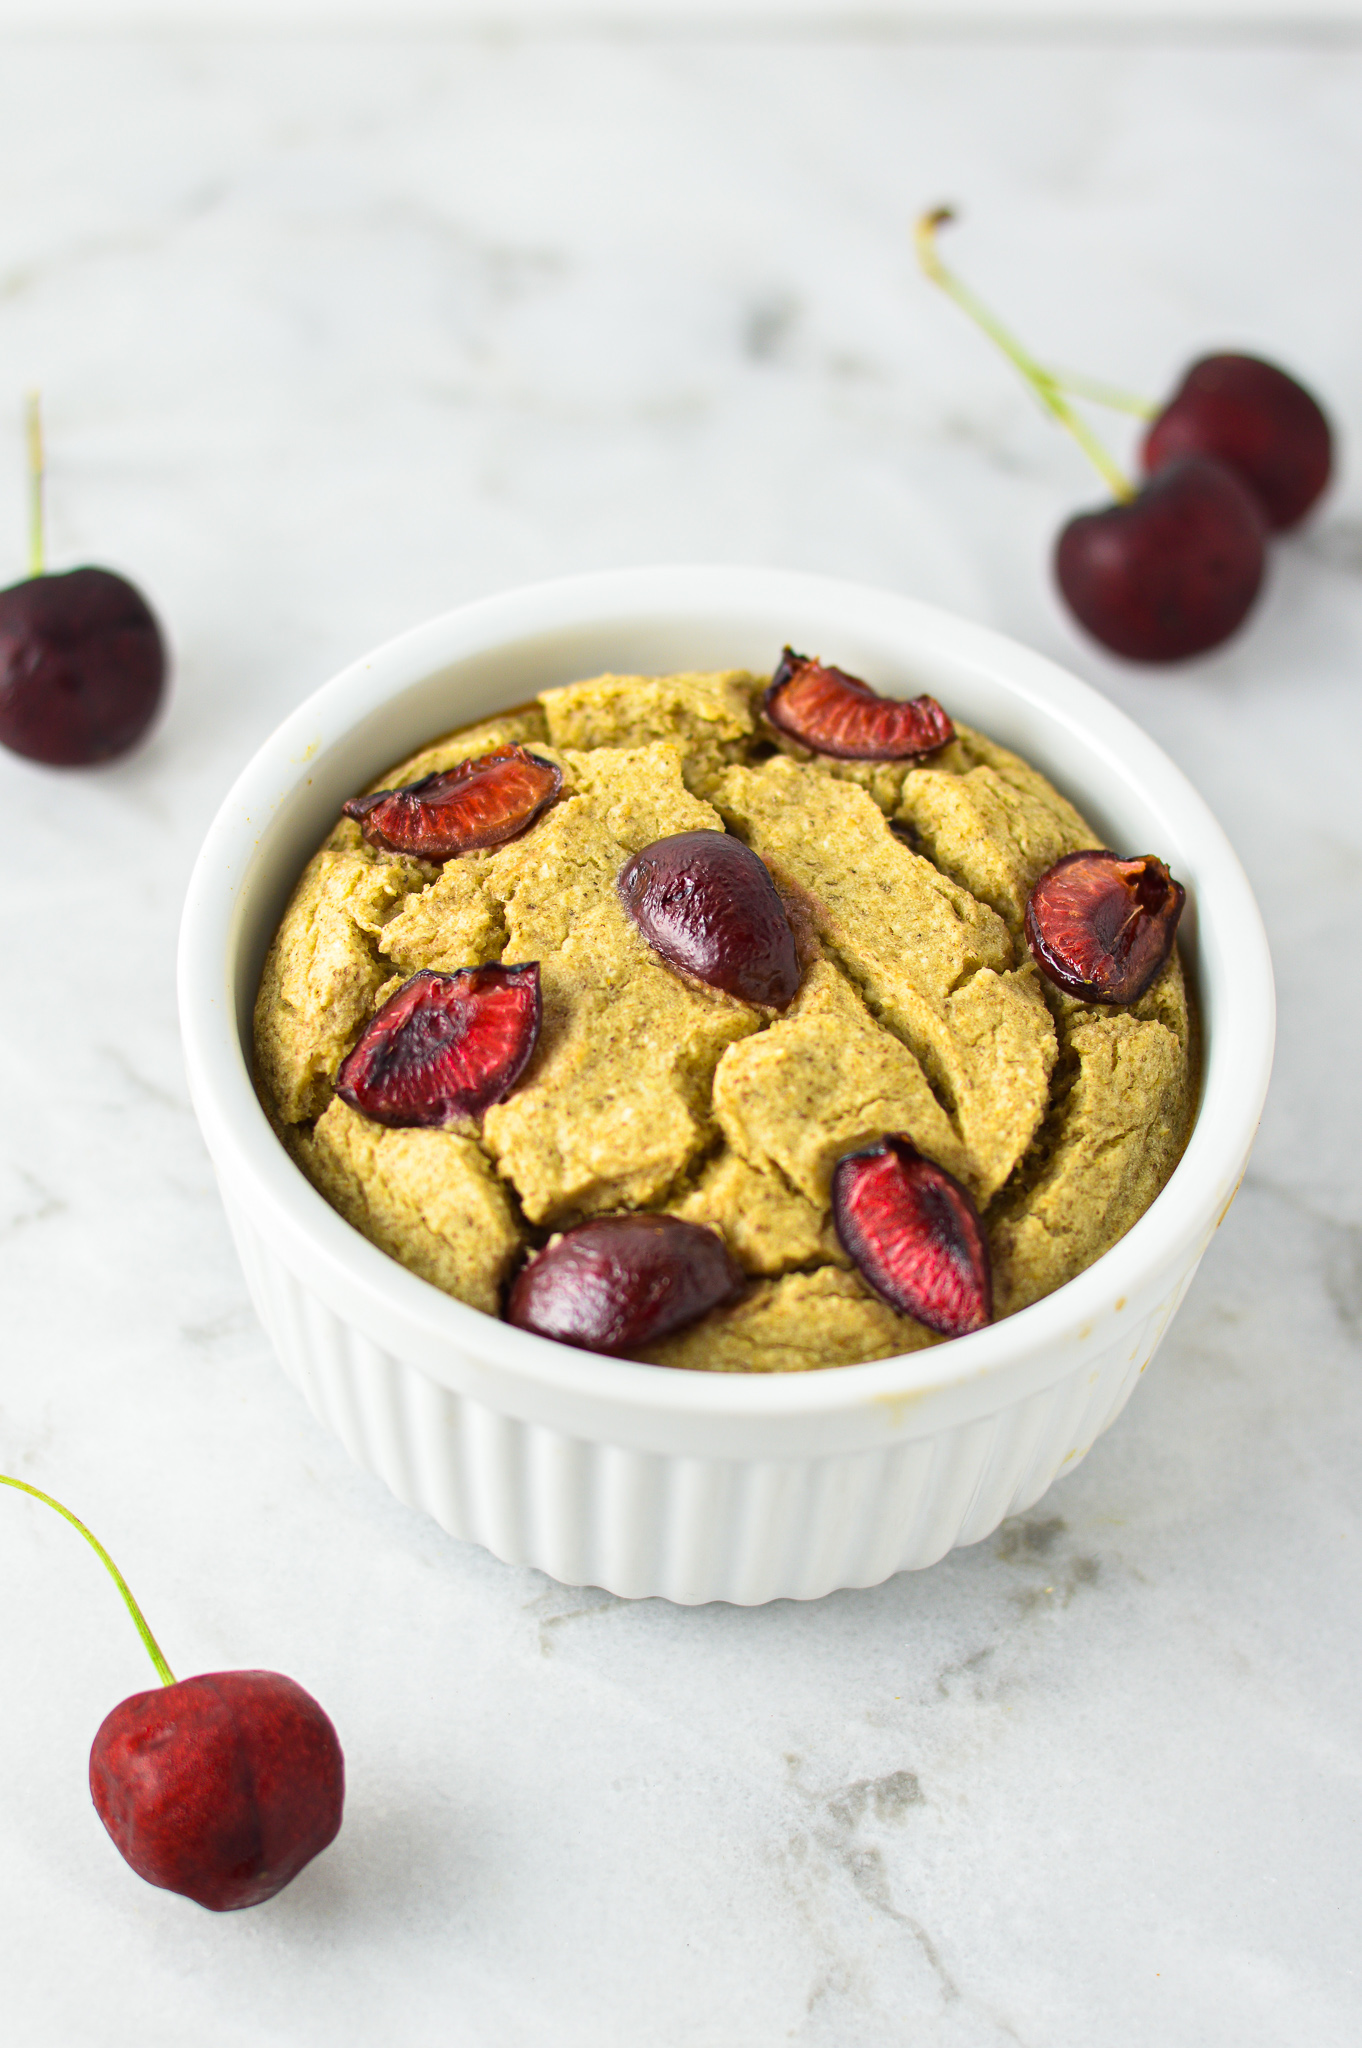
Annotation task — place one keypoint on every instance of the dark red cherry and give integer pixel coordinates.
(1102, 927)
(446, 1046)
(482, 802)
(915, 1235)
(707, 904)
(1253, 417)
(82, 667)
(220, 1787)
(834, 713)
(623, 1281)
(1170, 574)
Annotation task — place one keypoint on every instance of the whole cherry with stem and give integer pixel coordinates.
(219, 1787)
(82, 659)
(1163, 572)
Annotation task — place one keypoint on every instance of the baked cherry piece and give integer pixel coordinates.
(833, 713)
(82, 667)
(1260, 422)
(706, 903)
(480, 803)
(1173, 572)
(445, 1047)
(622, 1281)
(1101, 927)
(915, 1235)
(220, 1787)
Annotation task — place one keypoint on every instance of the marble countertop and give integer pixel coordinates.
(333, 334)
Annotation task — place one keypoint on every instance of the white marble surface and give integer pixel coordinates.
(333, 335)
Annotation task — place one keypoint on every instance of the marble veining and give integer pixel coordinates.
(332, 334)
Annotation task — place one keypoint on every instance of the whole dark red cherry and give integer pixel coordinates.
(82, 667)
(220, 1787)
(1253, 417)
(1171, 573)
(621, 1281)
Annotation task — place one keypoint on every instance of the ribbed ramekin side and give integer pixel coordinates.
(687, 1528)
(626, 1534)
(1025, 1446)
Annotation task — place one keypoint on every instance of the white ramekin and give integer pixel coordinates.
(702, 1486)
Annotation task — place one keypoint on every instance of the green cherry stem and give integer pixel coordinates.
(163, 1670)
(1043, 382)
(1109, 395)
(33, 425)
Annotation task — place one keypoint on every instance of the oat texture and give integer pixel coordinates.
(920, 1011)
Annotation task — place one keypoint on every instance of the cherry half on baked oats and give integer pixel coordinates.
(445, 1047)
(479, 803)
(831, 712)
(1102, 928)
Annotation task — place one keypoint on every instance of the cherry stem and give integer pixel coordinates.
(1099, 393)
(1043, 382)
(33, 422)
(163, 1670)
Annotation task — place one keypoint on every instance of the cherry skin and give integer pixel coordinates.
(82, 667)
(1173, 572)
(706, 904)
(1253, 417)
(221, 1787)
(619, 1282)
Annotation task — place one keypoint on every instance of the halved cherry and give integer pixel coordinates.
(834, 713)
(622, 1281)
(446, 1046)
(1102, 927)
(915, 1235)
(482, 802)
(707, 904)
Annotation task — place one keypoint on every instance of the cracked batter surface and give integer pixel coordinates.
(919, 1011)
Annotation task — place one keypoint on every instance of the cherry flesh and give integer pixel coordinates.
(622, 1281)
(915, 1235)
(833, 713)
(82, 667)
(445, 1047)
(1173, 572)
(221, 1787)
(1102, 928)
(1251, 416)
(706, 903)
(480, 803)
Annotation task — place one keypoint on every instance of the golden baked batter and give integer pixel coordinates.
(920, 1011)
